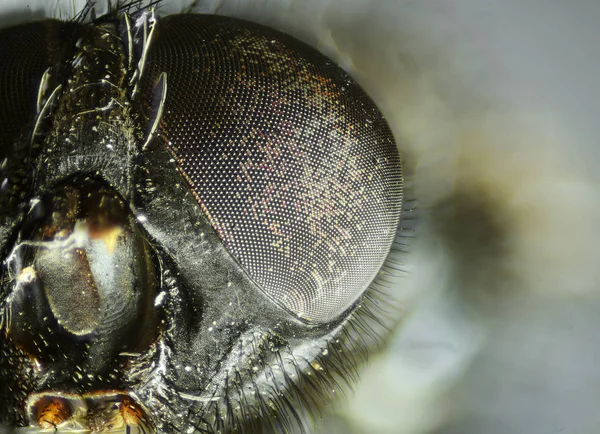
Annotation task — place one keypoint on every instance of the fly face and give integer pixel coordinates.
(192, 211)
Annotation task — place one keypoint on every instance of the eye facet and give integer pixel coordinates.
(291, 162)
(192, 210)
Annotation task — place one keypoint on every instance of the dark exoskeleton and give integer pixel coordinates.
(193, 210)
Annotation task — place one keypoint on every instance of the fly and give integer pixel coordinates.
(215, 201)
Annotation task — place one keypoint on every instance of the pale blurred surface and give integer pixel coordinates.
(496, 104)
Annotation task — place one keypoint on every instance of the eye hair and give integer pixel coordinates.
(298, 389)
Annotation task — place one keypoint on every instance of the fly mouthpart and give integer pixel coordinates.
(96, 412)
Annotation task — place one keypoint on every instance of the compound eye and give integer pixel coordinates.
(292, 164)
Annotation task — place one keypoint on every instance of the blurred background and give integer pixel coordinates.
(496, 108)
